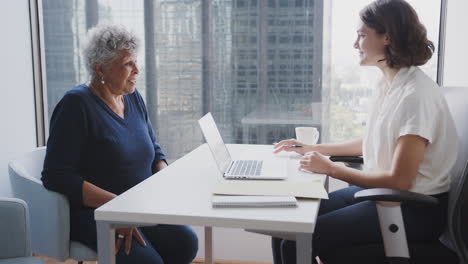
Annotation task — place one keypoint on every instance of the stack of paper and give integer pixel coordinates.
(303, 188)
(253, 201)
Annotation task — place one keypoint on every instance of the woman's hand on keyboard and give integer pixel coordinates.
(292, 145)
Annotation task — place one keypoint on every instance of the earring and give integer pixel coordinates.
(102, 80)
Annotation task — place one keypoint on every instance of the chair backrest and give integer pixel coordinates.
(30, 164)
(14, 229)
(50, 211)
(458, 198)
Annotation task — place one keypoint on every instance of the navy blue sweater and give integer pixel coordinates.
(88, 141)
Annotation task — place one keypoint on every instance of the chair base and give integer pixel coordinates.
(25, 260)
(434, 253)
(81, 252)
(398, 260)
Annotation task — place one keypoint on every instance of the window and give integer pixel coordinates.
(266, 60)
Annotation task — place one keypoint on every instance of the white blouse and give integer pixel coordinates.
(412, 105)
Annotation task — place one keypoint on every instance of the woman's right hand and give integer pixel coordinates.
(127, 234)
(292, 145)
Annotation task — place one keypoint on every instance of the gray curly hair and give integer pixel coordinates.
(103, 44)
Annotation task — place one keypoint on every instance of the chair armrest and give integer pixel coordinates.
(349, 159)
(390, 195)
(49, 211)
(14, 229)
(391, 221)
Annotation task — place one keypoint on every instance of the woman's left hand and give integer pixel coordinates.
(128, 234)
(315, 162)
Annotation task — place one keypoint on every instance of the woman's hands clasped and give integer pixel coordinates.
(127, 234)
(315, 162)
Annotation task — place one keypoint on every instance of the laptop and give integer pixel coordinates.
(239, 169)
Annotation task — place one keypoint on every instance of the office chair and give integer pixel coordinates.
(453, 245)
(49, 211)
(15, 243)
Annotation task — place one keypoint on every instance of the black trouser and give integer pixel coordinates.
(344, 223)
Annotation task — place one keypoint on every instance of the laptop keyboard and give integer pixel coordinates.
(247, 167)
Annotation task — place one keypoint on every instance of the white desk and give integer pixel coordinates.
(181, 194)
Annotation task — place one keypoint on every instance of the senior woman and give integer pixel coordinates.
(102, 143)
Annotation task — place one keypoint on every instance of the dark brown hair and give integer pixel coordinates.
(409, 45)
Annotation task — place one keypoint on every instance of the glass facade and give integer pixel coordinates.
(60, 49)
(276, 68)
(262, 67)
(238, 59)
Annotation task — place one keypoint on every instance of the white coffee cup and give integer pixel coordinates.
(307, 135)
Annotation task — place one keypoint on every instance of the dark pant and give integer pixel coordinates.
(343, 223)
(170, 244)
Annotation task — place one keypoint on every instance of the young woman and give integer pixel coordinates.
(410, 142)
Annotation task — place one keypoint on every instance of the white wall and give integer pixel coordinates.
(456, 46)
(18, 130)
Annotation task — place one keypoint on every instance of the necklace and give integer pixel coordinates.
(116, 105)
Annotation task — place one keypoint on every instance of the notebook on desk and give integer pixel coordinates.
(239, 169)
(253, 201)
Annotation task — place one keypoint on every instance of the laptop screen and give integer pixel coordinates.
(215, 142)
